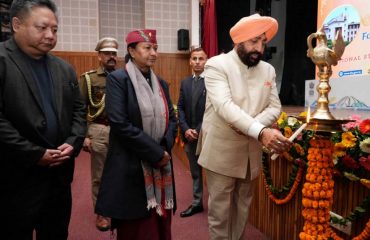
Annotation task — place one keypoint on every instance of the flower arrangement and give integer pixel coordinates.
(351, 157)
(287, 125)
(350, 161)
(351, 154)
(352, 150)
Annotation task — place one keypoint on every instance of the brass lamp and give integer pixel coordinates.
(323, 57)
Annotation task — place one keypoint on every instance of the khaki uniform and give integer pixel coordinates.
(98, 128)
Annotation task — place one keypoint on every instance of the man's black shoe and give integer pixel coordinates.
(191, 211)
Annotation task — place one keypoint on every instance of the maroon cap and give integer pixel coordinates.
(144, 35)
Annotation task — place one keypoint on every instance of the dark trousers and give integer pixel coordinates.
(196, 173)
(39, 204)
(154, 227)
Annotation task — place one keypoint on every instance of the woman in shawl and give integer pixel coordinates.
(137, 189)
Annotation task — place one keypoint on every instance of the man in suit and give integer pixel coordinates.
(190, 108)
(42, 126)
(92, 86)
(242, 101)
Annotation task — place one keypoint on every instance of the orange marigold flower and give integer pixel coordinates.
(320, 179)
(327, 151)
(322, 194)
(288, 132)
(365, 126)
(325, 186)
(348, 139)
(316, 194)
(314, 143)
(299, 149)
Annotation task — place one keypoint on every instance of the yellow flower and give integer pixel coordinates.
(339, 150)
(348, 139)
(288, 132)
(282, 118)
(303, 114)
(365, 145)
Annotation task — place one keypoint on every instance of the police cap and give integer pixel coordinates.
(107, 44)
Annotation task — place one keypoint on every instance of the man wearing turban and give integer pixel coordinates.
(242, 101)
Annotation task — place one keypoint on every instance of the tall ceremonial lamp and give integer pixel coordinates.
(318, 190)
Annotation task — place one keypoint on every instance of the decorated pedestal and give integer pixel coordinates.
(318, 190)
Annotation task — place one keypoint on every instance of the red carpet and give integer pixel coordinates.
(192, 228)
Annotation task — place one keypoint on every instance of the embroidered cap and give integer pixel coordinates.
(144, 35)
(107, 44)
(253, 26)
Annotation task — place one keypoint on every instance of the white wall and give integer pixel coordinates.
(83, 22)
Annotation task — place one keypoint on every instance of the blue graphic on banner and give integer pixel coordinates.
(349, 73)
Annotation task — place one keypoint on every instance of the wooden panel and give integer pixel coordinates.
(173, 68)
(169, 66)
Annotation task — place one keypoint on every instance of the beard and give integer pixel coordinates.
(246, 57)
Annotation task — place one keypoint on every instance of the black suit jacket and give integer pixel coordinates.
(184, 106)
(122, 191)
(22, 119)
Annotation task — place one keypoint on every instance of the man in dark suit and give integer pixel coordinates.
(190, 107)
(42, 126)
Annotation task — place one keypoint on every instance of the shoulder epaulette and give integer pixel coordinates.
(89, 72)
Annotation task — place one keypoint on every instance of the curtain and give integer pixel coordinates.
(209, 38)
(297, 66)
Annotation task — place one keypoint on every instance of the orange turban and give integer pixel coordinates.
(253, 26)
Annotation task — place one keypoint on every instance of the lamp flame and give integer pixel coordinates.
(308, 114)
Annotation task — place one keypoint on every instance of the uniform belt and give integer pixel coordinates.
(103, 121)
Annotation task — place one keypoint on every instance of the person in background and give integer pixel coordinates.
(92, 86)
(42, 126)
(137, 188)
(242, 101)
(190, 108)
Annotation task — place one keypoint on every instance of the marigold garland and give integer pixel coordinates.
(291, 187)
(365, 234)
(318, 190)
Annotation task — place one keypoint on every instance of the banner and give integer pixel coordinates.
(350, 81)
(353, 19)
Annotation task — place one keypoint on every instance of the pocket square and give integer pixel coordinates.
(268, 84)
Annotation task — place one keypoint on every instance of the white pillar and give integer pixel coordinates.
(195, 23)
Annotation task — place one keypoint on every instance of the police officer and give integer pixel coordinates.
(92, 86)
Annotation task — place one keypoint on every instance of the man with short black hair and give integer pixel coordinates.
(42, 126)
(190, 108)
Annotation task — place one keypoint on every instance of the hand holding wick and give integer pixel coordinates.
(274, 140)
(295, 134)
